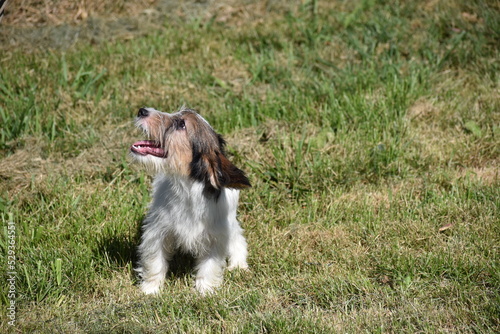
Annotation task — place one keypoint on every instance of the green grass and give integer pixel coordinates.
(369, 130)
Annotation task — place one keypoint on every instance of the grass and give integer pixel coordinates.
(369, 130)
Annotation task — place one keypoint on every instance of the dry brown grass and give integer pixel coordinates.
(336, 242)
(34, 13)
(32, 166)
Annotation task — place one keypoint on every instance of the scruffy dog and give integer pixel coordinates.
(195, 196)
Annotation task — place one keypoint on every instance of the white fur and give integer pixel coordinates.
(181, 217)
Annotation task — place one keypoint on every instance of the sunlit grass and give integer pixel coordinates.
(368, 130)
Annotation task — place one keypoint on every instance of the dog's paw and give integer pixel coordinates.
(205, 287)
(151, 287)
(237, 264)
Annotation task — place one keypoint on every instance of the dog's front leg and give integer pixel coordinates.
(210, 270)
(154, 254)
(237, 248)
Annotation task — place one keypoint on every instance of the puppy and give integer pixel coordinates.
(195, 196)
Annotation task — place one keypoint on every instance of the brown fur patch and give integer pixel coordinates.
(192, 148)
(179, 153)
(235, 178)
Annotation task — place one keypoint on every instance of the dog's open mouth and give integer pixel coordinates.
(148, 147)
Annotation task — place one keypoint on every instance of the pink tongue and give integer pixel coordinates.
(145, 147)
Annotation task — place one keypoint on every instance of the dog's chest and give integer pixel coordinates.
(184, 212)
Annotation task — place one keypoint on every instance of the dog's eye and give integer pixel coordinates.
(181, 125)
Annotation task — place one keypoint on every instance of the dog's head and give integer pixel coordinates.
(184, 144)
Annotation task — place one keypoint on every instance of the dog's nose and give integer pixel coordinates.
(143, 112)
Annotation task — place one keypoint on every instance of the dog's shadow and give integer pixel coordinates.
(120, 251)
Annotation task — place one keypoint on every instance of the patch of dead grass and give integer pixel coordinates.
(32, 164)
(35, 13)
(489, 175)
(232, 72)
(422, 109)
(118, 290)
(437, 125)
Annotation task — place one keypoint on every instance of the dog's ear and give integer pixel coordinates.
(216, 171)
(210, 166)
(231, 176)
